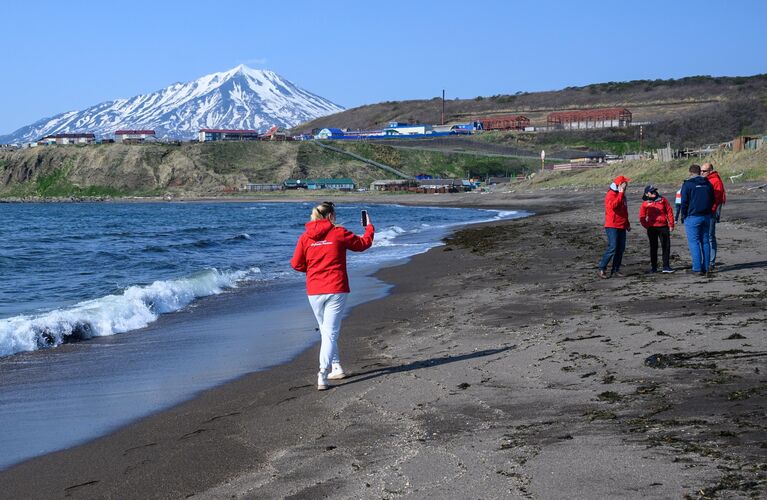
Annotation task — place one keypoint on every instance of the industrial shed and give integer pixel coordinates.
(590, 118)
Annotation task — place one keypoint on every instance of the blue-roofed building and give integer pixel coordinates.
(330, 133)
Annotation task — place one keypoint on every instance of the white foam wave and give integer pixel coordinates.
(135, 308)
(385, 237)
(506, 214)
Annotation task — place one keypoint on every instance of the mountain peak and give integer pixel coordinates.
(218, 100)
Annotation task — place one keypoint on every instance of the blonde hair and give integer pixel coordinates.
(324, 210)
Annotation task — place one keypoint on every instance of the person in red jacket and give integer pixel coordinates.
(657, 216)
(616, 225)
(720, 197)
(321, 254)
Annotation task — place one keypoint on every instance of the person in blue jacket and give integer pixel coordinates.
(697, 200)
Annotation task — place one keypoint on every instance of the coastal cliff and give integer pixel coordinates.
(152, 169)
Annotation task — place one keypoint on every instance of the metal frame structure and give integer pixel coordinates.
(505, 122)
(590, 118)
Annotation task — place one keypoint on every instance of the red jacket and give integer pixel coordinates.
(321, 254)
(656, 213)
(720, 198)
(616, 210)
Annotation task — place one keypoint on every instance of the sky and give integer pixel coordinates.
(64, 56)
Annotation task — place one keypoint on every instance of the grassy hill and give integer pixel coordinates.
(686, 111)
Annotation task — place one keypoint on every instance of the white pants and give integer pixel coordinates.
(328, 309)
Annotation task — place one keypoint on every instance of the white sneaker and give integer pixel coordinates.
(337, 372)
(322, 381)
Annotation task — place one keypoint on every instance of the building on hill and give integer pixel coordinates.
(396, 128)
(441, 186)
(293, 184)
(67, 139)
(219, 134)
(504, 122)
(133, 136)
(363, 134)
(330, 133)
(747, 142)
(495, 181)
(275, 134)
(458, 128)
(339, 184)
(589, 118)
(394, 185)
(252, 186)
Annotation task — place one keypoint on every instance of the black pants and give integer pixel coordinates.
(653, 233)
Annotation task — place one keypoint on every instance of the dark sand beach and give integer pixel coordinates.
(499, 367)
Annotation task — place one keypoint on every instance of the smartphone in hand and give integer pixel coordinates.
(364, 218)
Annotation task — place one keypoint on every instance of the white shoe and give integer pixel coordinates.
(322, 381)
(337, 372)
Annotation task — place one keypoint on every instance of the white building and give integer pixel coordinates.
(133, 136)
(68, 139)
(396, 128)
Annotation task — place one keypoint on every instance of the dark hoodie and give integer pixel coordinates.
(697, 197)
(321, 254)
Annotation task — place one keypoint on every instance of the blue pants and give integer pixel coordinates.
(712, 235)
(616, 245)
(697, 229)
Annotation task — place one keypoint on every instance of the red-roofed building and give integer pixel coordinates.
(590, 118)
(276, 134)
(220, 134)
(133, 136)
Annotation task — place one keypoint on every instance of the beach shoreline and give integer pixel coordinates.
(486, 372)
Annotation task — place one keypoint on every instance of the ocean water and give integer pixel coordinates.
(110, 312)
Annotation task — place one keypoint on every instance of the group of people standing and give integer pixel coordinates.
(699, 205)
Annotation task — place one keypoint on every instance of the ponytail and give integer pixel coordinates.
(323, 211)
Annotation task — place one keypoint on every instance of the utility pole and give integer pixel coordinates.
(443, 106)
(641, 133)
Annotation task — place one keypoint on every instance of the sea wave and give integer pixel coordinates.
(386, 237)
(135, 308)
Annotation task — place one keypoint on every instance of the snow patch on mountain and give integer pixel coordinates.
(241, 98)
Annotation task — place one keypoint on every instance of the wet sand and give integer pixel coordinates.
(500, 366)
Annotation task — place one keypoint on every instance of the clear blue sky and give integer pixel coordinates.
(61, 56)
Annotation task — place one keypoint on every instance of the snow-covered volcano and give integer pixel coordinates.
(241, 98)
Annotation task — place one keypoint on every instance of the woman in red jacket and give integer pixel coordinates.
(657, 216)
(616, 225)
(321, 254)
